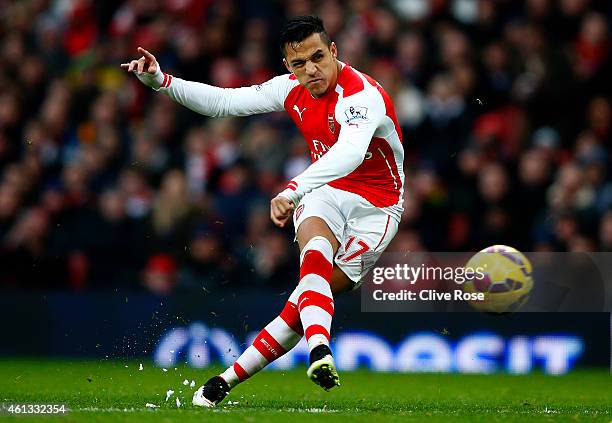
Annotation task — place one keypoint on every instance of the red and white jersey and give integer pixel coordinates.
(352, 131)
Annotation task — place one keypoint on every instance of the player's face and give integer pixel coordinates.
(313, 63)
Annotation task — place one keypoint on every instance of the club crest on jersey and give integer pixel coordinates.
(331, 123)
(356, 114)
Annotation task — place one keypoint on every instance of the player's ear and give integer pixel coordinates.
(287, 65)
(334, 50)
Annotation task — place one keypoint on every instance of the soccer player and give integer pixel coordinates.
(346, 205)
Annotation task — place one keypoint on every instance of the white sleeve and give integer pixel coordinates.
(218, 102)
(359, 115)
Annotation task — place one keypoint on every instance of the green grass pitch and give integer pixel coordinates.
(117, 391)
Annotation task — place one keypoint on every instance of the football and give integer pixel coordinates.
(505, 279)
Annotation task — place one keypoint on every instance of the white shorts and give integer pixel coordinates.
(363, 230)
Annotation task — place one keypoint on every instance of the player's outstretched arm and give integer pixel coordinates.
(146, 69)
(207, 99)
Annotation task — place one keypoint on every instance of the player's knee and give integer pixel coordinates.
(314, 227)
(340, 282)
(317, 257)
(319, 243)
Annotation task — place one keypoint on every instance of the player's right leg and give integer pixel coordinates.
(309, 308)
(279, 336)
(283, 333)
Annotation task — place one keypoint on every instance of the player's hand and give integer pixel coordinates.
(147, 63)
(280, 210)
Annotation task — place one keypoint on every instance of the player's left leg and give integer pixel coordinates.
(318, 246)
(367, 233)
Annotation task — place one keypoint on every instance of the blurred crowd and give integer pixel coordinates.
(504, 105)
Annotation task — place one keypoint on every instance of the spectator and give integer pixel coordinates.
(160, 274)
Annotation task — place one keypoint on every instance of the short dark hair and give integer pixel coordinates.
(301, 27)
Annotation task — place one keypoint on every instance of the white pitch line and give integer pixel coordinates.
(108, 410)
(134, 410)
